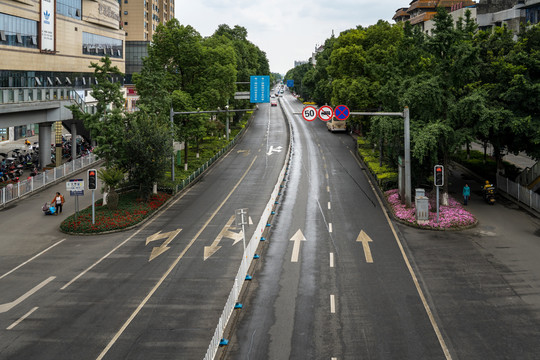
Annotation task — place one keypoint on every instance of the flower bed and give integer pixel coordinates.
(131, 211)
(451, 217)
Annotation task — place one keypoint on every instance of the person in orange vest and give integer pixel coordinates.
(58, 201)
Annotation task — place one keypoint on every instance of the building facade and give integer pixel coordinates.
(139, 19)
(51, 43)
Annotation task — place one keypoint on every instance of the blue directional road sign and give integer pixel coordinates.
(341, 112)
(290, 83)
(259, 88)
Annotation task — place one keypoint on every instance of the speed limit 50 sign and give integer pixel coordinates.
(309, 113)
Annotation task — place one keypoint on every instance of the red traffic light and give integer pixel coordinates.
(91, 173)
(438, 169)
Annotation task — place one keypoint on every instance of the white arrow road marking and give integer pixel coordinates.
(365, 240)
(10, 305)
(272, 150)
(156, 251)
(296, 247)
(225, 232)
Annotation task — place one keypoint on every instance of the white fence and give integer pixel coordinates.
(519, 192)
(16, 190)
(251, 247)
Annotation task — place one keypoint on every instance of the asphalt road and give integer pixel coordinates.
(148, 293)
(348, 293)
(471, 294)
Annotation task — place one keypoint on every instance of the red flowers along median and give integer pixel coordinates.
(131, 211)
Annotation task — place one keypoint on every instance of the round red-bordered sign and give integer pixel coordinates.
(309, 113)
(341, 112)
(325, 113)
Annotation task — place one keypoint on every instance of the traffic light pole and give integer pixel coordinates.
(93, 208)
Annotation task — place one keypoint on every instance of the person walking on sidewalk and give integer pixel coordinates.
(58, 201)
(466, 194)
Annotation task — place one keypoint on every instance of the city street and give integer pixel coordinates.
(337, 279)
(479, 291)
(147, 293)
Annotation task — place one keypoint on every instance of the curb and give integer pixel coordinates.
(388, 207)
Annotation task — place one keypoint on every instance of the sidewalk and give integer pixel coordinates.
(521, 160)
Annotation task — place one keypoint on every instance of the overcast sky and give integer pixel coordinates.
(287, 30)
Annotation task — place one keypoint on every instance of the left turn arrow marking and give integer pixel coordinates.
(156, 251)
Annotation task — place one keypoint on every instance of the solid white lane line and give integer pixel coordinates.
(32, 258)
(429, 313)
(330, 227)
(331, 260)
(332, 304)
(101, 259)
(22, 318)
(329, 207)
(171, 268)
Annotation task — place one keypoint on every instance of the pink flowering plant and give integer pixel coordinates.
(451, 217)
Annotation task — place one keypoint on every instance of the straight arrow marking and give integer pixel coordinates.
(297, 237)
(10, 305)
(225, 232)
(365, 240)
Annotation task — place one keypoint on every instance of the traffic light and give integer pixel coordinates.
(92, 179)
(439, 175)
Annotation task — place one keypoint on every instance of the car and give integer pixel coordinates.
(273, 102)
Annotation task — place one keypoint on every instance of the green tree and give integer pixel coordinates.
(107, 123)
(149, 148)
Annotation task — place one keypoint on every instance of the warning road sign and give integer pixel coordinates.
(341, 112)
(309, 113)
(325, 113)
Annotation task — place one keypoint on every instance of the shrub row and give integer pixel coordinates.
(386, 176)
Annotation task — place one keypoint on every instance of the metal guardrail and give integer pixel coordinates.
(519, 192)
(15, 191)
(20, 95)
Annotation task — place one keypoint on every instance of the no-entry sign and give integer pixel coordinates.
(309, 113)
(325, 113)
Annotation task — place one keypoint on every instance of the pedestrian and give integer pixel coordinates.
(58, 201)
(466, 194)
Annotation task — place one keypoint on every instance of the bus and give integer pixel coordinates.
(336, 125)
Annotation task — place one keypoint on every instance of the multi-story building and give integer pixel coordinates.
(51, 43)
(140, 19)
(508, 12)
(420, 12)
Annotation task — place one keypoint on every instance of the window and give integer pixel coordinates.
(125, 22)
(17, 31)
(97, 45)
(70, 8)
(125, 12)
